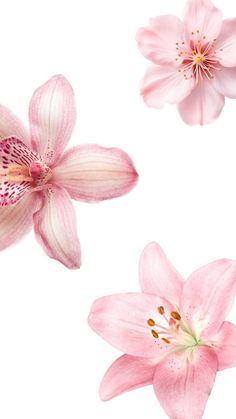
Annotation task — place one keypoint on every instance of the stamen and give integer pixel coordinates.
(151, 322)
(175, 315)
(161, 310)
(166, 340)
(155, 334)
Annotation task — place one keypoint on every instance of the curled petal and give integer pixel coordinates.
(226, 43)
(226, 346)
(92, 173)
(52, 116)
(202, 18)
(10, 125)
(55, 228)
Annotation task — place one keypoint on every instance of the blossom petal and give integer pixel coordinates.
(202, 18)
(183, 385)
(165, 85)
(10, 125)
(225, 82)
(203, 105)
(16, 220)
(52, 116)
(158, 42)
(226, 43)
(158, 276)
(125, 374)
(55, 228)
(226, 346)
(121, 320)
(92, 173)
(208, 295)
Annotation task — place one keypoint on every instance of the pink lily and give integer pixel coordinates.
(38, 178)
(173, 333)
(194, 61)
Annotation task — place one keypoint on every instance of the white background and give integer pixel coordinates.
(51, 363)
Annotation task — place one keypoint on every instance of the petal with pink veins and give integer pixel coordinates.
(92, 173)
(202, 18)
(226, 43)
(208, 295)
(183, 385)
(125, 374)
(165, 85)
(203, 105)
(17, 220)
(121, 320)
(226, 346)
(158, 276)
(52, 116)
(158, 42)
(224, 82)
(10, 125)
(55, 227)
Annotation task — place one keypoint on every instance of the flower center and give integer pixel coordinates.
(37, 173)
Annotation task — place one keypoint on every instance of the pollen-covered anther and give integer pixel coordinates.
(175, 315)
(166, 340)
(151, 322)
(161, 310)
(155, 334)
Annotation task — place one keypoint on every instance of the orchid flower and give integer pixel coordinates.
(193, 62)
(38, 177)
(173, 333)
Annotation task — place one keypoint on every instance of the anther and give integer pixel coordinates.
(175, 315)
(155, 334)
(166, 340)
(151, 322)
(161, 310)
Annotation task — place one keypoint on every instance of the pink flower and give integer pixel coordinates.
(194, 61)
(173, 333)
(38, 178)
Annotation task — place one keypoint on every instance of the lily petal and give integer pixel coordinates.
(121, 320)
(17, 220)
(225, 82)
(158, 43)
(203, 105)
(55, 227)
(208, 295)
(165, 85)
(125, 374)
(202, 18)
(10, 125)
(226, 43)
(182, 385)
(226, 346)
(92, 173)
(158, 276)
(52, 116)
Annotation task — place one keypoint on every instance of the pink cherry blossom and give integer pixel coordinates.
(193, 62)
(38, 177)
(173, 333)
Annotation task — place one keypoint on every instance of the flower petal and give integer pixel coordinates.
(92, 173)
(125, 374)
(165, 85)
(182, 385)
(10, 125)
(202, 18)
(121, 320)
(52, 116)
(203, 105)
(16, 220)
(158, 43)
(226, 346)
(225, 82)
(226, 43)
(55, 228)
(158, 276)
(208, 295)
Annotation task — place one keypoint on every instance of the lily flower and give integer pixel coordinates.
(173, 333)
(193, 62)
(38, 178)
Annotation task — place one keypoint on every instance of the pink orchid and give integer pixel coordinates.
(173, 333)
(38, 178)
(194, 61)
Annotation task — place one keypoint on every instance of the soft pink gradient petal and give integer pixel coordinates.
(125, 374)
(158, 276)
(55, 228)
(165, 85)
(226, 43)
(226, 346)
(203, 105)
(10, 125)
(52, 116)
(183, 386)
(17, 220)
(202, 16)
(121, 320)
(158, 42)
(92, 173)
(225, 82)
(208, 295)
